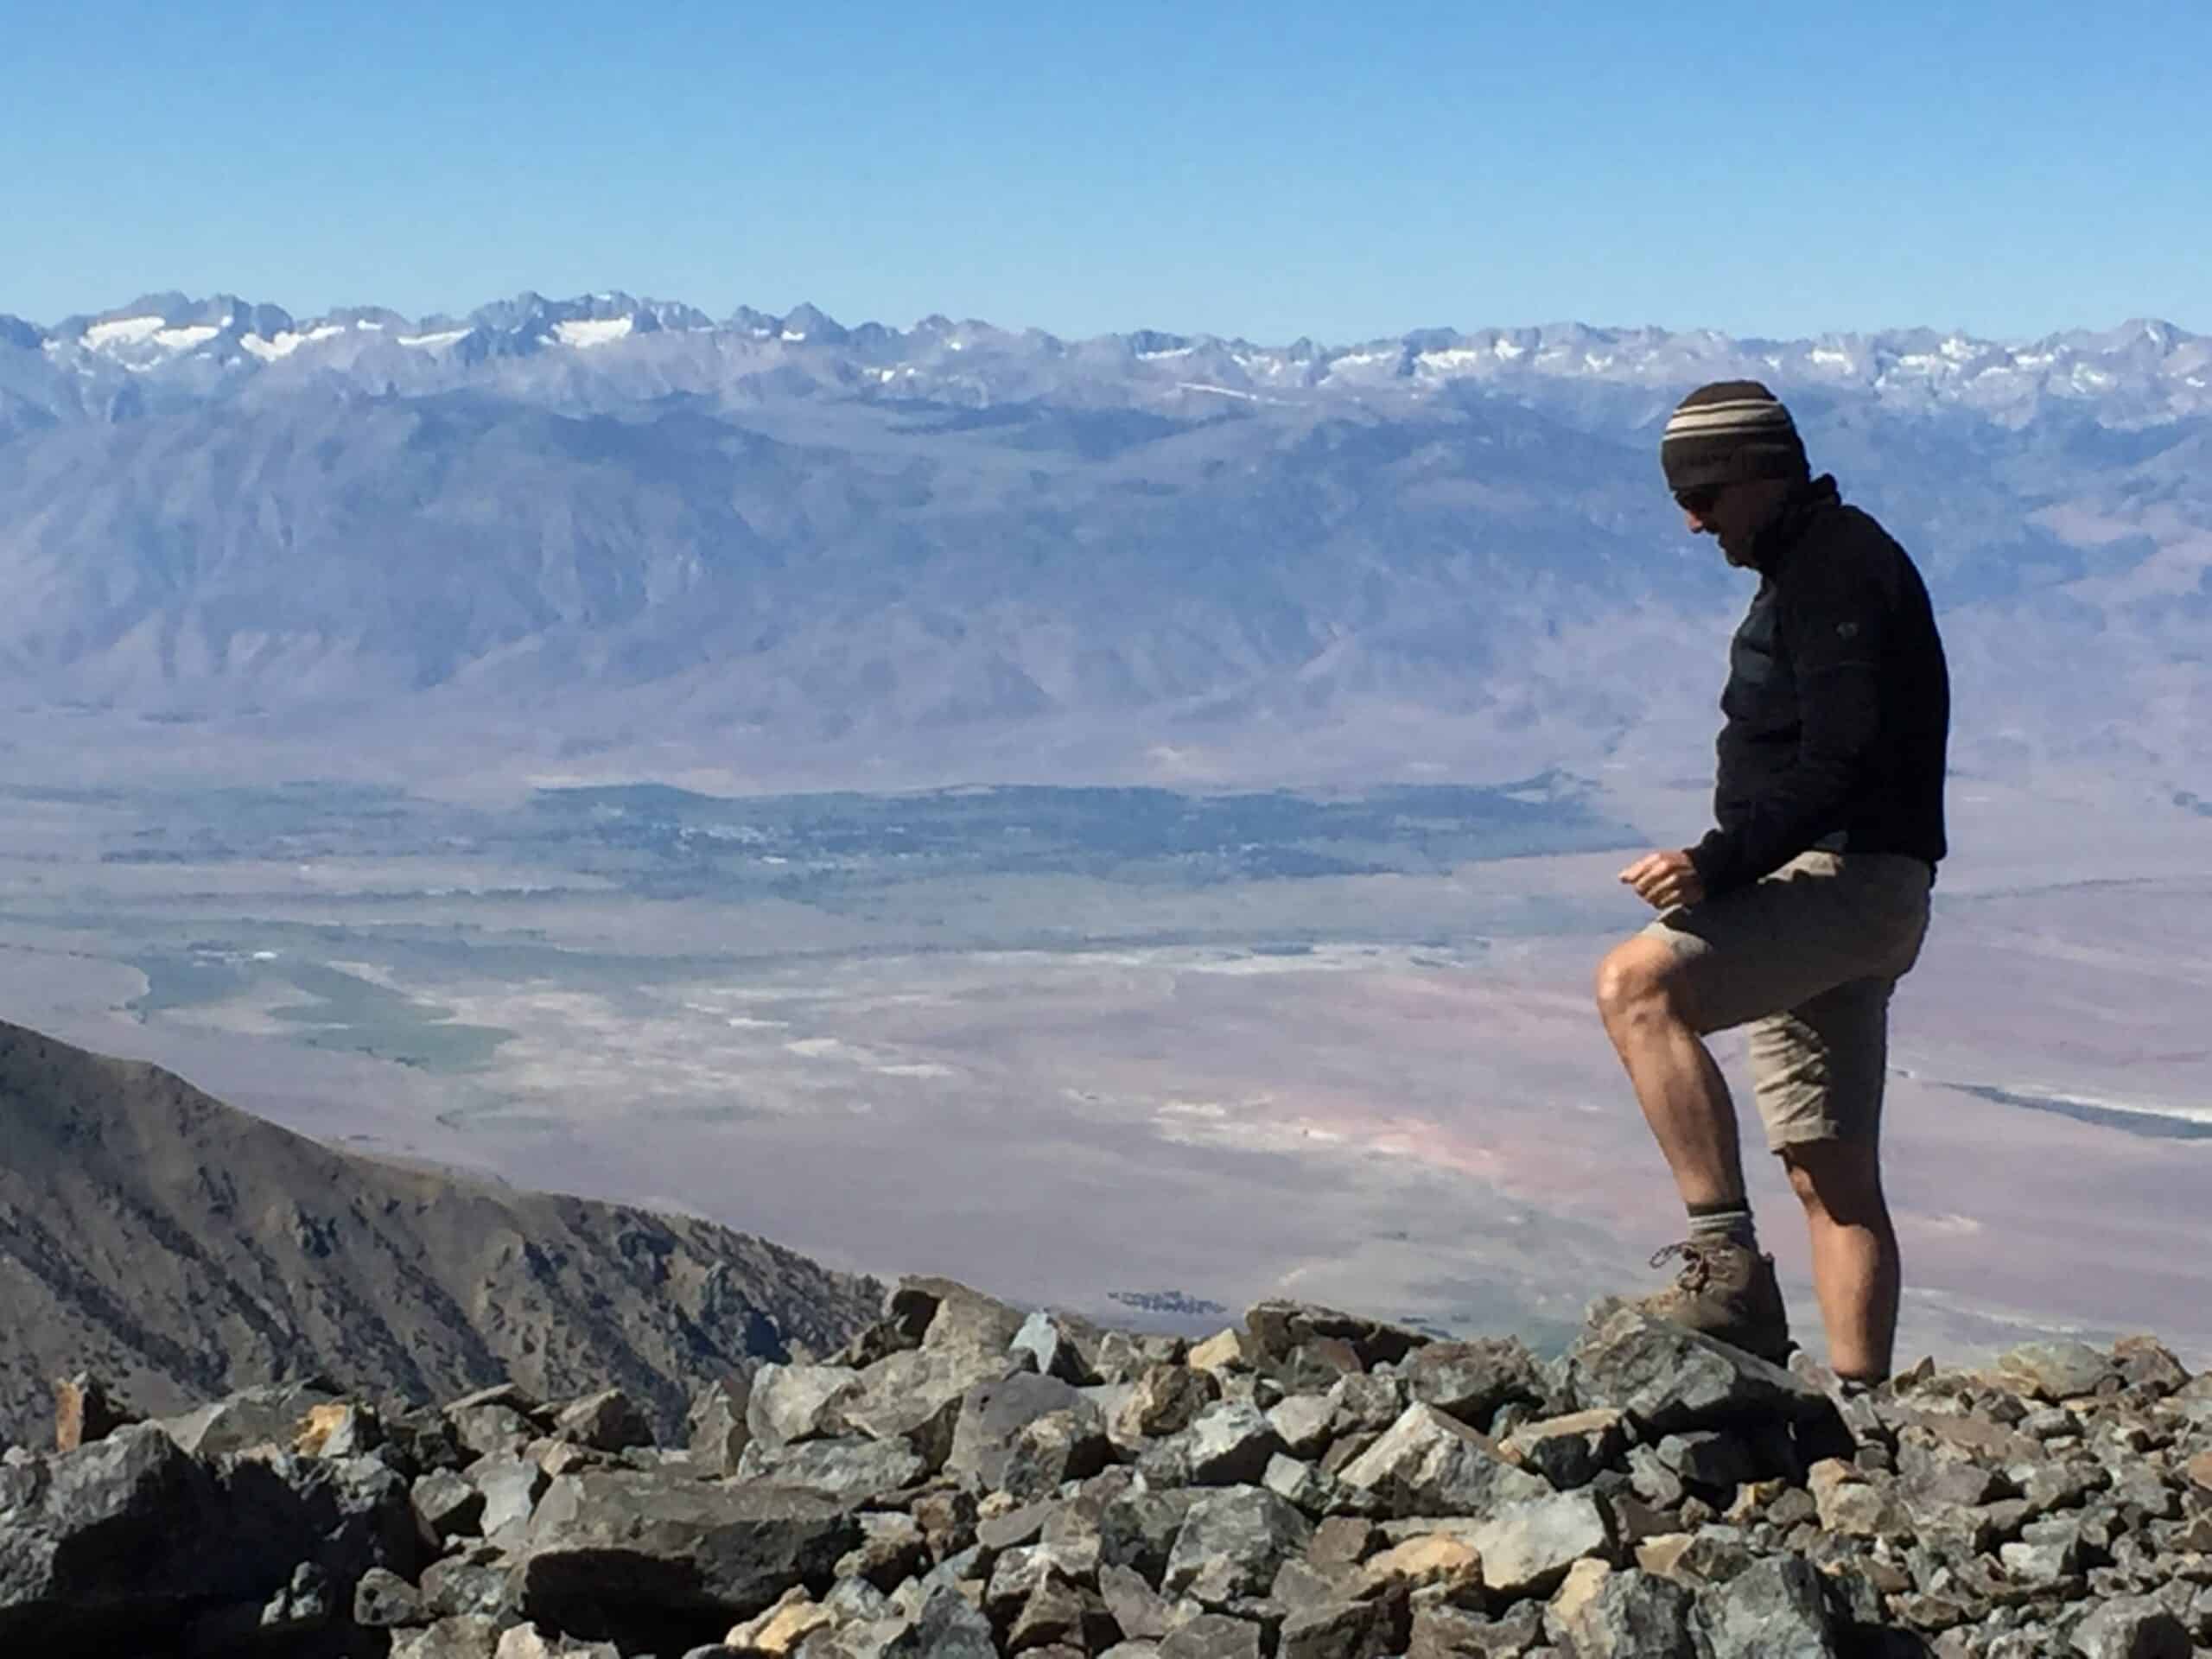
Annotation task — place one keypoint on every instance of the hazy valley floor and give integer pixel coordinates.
(1068, 1081)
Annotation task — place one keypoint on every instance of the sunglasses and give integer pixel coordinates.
(1699, 501)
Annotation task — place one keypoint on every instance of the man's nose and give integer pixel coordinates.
(1698, 527)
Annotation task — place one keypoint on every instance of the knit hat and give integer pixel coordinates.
(1729, 432)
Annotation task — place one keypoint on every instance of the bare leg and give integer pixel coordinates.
(1856, 1269)
(1684, 1097)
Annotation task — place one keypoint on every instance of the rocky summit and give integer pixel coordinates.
(965, 1479)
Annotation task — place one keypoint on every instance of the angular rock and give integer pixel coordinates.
(606, 1421)
(1528, 1547)
(384, 1601)
(1567, 1451)
(1302, 1422)
(1670, 1378)
(447, 1504)
(474, 1583)
(1773, 1610)
(1214, 1636)
(466, 1636)
(947, 1627)
(2055, 1370)
(510, 1487)
(1629, 1615)
(339, 1429)
(1049, 1344)
(1277, 1327)
(1138, 1610)
(268, 1415)
(1050, 1451)
(1345, 1539)
(714, 1428)
(1219, 1354)
(1445, 1568)
(992, 1416)
(783, 1626)
(1163, 1399)
(614, 1538)
(84, 1411)
(1471, 1380)
(852, 1471)
(1430, 1464)
(1363, 1402)
(1059, 1609)
(945, 1315)
(1345, 1630)
(791, 1403)
(1229, 1444)
(490, 1428)
(1231, 1543)
(2131, 1627)
(1138, 1531)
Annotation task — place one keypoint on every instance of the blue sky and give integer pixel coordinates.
(1264, 170)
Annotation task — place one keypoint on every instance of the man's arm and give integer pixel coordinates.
(1835, 620)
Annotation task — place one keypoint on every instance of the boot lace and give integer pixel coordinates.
(1697, 1264)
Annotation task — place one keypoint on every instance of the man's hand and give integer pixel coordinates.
(1663, 881)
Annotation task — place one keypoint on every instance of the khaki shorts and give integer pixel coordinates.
(1807, 958)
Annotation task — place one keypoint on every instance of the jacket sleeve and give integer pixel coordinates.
(1835, 618)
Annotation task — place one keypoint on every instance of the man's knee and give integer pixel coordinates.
(1640, 978)
(1841, 1179)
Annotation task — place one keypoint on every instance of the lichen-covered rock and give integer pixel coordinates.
(1528, 1547)
(1626, 1615)
(1772, 1610)
(1471, 1380)
(1430, 1464)
(1670, 1378)
(1231, 1543)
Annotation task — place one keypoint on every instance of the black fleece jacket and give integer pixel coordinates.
(1837, 703)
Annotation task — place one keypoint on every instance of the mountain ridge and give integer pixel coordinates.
(181, 1247)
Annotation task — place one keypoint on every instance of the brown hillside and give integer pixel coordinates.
(180, 1248)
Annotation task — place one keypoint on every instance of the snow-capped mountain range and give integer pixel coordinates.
(2139, 372)
(600, 522)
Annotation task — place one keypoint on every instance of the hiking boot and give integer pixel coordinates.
(1725, 1291)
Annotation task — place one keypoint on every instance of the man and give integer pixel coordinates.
(1796, 915)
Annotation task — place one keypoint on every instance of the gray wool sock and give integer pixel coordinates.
(1730, 1219)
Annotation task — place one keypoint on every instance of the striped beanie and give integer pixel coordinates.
(1729, 432)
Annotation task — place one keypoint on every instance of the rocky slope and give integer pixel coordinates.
(964, 1482)
(182, 1248)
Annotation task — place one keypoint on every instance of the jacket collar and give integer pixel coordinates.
(1783, 532)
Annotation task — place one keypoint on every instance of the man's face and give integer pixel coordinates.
(1731, 513)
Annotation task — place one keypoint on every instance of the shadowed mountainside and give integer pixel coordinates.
(182, 1247)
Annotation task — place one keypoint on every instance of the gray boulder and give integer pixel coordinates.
(947, 1627)
(1773, 1610)
(1471, 1380)
(714, 1427)
(850, 1469)
(1671, 1378)
(1527, 1547)
(790, 1403)
(614, 1538)
(1232, 1543)
(606, 1421)
(992, 1416)
(1429, 1464)
(2131, 1627)
(1279, 1328)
